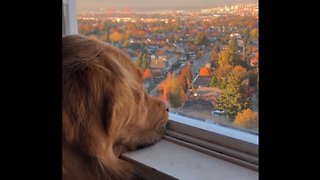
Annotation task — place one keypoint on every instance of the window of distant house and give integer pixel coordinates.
(201, 57)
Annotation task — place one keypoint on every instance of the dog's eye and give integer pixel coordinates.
(164, 106)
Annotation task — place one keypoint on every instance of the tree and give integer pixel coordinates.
(116, 36)
(233, 45)
(204, 71)
(185, 77)
(236, 60)
(214, 56)
(172, 91)
(233, 49)
(225, 38)
(253, 76)
(247, 119)
(142, 61)
(254, 33)
(145, 63)
(245, 41)
(201, 39)
(188, 74)
(126, 43)
(164, 88)
(250, 49)
(220, 77)
(241, 72)
(255, 60)
(177, 96)
(147, 74)
(225, 58)
(104, 37)
(233, 99)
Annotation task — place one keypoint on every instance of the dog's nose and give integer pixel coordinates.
(167, 108)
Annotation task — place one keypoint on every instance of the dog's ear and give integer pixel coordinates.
(88, 92)
(97, 94)
(87, 100)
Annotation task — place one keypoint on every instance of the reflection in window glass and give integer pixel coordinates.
(200, 57)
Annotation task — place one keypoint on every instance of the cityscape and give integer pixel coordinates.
(203, 62)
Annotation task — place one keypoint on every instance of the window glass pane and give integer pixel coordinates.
(65, 20)
(201, 57)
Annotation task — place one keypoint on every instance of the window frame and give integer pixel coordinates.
(69, 17)
(234, 145)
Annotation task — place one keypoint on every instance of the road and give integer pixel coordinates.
(154, 92)
(195, 67)
(199, 63)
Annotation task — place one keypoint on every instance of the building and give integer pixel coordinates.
(201, 81)
(159, 66)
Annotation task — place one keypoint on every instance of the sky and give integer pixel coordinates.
(154, 4)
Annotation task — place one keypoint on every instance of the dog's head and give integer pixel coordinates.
(105, 108)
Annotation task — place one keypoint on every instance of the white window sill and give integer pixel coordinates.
(166, 159)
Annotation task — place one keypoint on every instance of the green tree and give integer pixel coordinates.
(245, 41)
(142, 61)
(246, 33)
(253, 76)
(225, 58)
(126, 43)
(220, 77)
(214, 56)
(233, 46)
(225, 39)
(241, 72)
(201, 39)
(107, 26)
(236, 60)
(214, 82)
(254, 33)
(233, 99)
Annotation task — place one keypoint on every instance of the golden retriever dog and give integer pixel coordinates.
(105, 111)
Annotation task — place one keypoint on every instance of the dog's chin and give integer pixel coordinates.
(141, 146)
(159, 136)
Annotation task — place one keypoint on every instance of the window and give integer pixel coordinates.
(202, 59)
(70, 26)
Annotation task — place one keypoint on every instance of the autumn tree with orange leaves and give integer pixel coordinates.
(116, 36)
(164, 88)
(204, 71)
(147, 74)
(247, 119)
(172, 91)
(185, 77)
(240, 71)
(176, 94)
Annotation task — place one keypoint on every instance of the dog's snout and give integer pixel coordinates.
(167, 108)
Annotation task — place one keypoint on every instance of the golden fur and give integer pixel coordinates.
(105, 110)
